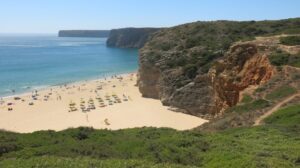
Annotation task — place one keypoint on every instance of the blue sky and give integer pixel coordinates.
(49, 16)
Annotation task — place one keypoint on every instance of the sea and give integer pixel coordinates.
(33, 62)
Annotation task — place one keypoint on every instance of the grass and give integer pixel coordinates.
(82, 162)
(250, 106)
(247, 99)
(281, 92)
(286, 116)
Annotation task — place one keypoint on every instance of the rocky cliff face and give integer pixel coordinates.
(198, 68)
(243, 66)
(212, 93)
(84, 33)
(129, 37)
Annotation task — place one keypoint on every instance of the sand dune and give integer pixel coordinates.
(51, 109)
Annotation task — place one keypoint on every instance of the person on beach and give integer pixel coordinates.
(106, 122)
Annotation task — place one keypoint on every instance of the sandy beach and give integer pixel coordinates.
(117, 102)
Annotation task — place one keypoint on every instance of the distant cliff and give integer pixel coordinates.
(129, 37)
(84, 33)
(202, 68)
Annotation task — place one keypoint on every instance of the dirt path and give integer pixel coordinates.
(271, 111)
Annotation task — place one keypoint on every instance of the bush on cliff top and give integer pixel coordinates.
(210, 39)
(280, 58)
(290, 40)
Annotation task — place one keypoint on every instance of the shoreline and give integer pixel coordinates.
(52, 86)
(111, 104)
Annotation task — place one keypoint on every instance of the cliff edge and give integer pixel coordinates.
(129, 37)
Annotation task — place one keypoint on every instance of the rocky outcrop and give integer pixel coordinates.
(242, 66)
(201, 69)
(212, 93)
(129, 37)
(84, 33)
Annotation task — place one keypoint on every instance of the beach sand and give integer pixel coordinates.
(52, 113)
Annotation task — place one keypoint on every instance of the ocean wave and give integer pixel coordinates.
(25, 87)
(40, 87)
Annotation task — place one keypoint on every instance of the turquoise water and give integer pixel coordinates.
(32, 62)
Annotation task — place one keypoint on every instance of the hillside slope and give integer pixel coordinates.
(203, 68)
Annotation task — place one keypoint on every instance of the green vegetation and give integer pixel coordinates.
(286, 116)
(290, 40)
(200, 43)
(257, 104)
(247, 99)
(190, 70)
(281, 92)
(84, 162)
(273, 145)
(279, 58)
(153, 145)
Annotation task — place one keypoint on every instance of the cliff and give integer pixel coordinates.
(84, 33)
(201, 68)
(129, 37)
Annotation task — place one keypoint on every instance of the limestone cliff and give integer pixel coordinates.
(201, 69)
(129, 37)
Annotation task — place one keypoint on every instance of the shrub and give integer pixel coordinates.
(83, 133)
(190, 70)
(279, 58)
(290, 40)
